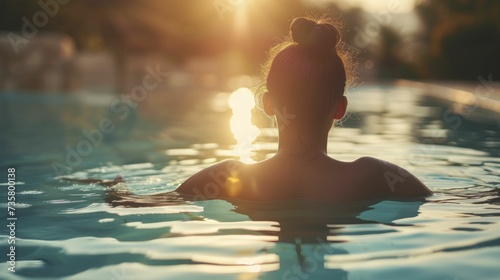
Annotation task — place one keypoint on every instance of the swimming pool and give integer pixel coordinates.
(68, 231)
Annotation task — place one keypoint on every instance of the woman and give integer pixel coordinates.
(305, 77)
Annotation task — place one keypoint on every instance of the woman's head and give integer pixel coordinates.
(306, 75)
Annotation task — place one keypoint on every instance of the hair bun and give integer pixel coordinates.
(322, 36)
(301, 29)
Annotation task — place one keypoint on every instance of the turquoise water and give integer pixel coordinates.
(68, 230)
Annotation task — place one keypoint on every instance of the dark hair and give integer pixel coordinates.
(307, 73)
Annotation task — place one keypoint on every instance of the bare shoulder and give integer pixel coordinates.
(391, 179)
(211, 181)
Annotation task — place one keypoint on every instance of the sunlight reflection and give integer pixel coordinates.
(242, 102)
(253, 263)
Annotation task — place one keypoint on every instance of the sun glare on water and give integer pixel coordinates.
(242, 102)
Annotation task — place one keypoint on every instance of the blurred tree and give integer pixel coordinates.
(376, 44)
(12, 11)
(237, 36)
(388, 59)
(177, 28)
(462, 38)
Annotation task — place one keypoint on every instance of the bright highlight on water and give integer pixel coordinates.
(242, 102)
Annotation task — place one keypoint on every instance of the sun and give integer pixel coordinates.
(242, 102)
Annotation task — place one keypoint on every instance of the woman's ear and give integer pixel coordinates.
(341, 108)
(267, 102)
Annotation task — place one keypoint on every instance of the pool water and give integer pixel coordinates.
(67, 230)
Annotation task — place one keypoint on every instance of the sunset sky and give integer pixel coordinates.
(373, 6)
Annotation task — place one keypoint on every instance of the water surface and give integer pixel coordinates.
(67, 230)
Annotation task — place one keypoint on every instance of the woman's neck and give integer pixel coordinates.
(303, 142)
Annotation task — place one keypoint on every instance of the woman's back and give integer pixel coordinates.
(322, 178)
